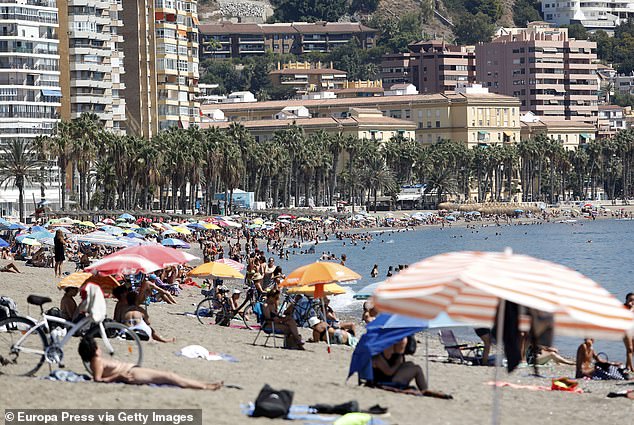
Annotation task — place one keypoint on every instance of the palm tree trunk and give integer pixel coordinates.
(20, 185)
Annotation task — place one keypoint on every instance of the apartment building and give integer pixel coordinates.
(161, 77)
(611, 120)
(398, 68)
(305, 77)
(227, 40)
(29, 69)
(472, 115)
(624, 83)
(90, 76)
(553, 75)
(571, 134)
(594, 15)
(443, 67)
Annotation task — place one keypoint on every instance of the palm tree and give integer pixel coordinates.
(85, 141)
(378, 177)
(58, 146)
(18, 162)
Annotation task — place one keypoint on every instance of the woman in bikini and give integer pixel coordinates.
(109, 370)
(284, 323)
(390, 366)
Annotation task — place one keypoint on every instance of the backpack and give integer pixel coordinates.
(8, 308)
(410, 348)
(273, 404)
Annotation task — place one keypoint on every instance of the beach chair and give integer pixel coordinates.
(268, 328)
(456, 352)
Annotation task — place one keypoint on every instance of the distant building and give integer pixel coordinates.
(443, 66)
(305, 77)
(228, 40)
(360, 88)
(571, 134)
(624, 83)
(402, 89)
(553, 75)
(397, 68)
(593, 15)
(611, 120)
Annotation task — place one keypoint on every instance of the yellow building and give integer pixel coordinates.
(570, 133)
(474, 117)
(358, 122)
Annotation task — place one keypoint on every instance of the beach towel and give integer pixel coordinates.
(66, 376)
(529, 387)
(93, 302)
(200, 352)
(308, 416)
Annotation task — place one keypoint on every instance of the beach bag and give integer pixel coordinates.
(410, 348)
(273, 404)
(55, 312)
(8, 308)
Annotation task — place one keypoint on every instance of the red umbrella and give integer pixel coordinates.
(159, 254)
(123, 264)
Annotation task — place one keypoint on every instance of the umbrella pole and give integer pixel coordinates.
(495, 414)
(427, 356)
(323, 309)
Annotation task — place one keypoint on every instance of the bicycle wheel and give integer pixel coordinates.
(125, 343)
(207, 310)
(27, 357)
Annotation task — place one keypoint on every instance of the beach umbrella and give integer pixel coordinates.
(29, 241)
(123, 264)
(87, 224)
(3, 243)
(169, 232)
(196, 226)
(16, 226)
(286, 217)
(157, 253)
(134, 235)
(229, 223)
(145, 231)
(175, 243)
(182, 230)
(217, 270)
(108, 221)
(329, 289)
(469, 286)
(211, 226)
(124, 225)
(366, 292)
(319, 274)
(101, 238)
(519, 211)
(232, 263)
(112, 230)
(258, 220)
(79, 279)
(305, 219)
(126, 216)
(35, 229)
(450, 218)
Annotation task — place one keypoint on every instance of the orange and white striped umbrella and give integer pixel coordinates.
(468, 285)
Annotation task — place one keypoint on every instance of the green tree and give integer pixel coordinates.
(577, 31)
(308, 10)
(58, 147)
(525, 11)
(18, 163)
(491, 8)
(474, 29)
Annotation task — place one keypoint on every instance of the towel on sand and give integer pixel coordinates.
(200, 352)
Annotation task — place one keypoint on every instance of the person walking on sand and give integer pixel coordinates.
(110, 370)
(375, 271)
(59, 249)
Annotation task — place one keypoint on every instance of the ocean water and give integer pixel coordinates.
(602, 250)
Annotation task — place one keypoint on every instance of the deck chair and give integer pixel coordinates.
(267, 328)
(456, 352)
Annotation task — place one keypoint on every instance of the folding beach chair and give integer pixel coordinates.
(455, 350)
(268, 327)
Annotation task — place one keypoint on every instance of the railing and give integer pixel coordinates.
(43, 3)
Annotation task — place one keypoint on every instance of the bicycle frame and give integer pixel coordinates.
(74, 328)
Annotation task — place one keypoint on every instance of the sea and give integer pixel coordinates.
(602, 250)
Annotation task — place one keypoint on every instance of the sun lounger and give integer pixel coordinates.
(268, 327)
(461, 353)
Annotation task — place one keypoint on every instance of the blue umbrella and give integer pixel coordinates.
(3, 243)
(16, 226)
(450, 218)
(35, 229)
(41, 235)
(126, 216)
(366, 292)
(176, 243)
(196, 226)
(519, 211)
(134, 235)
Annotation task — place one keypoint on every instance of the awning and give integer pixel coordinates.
(508, 134)
(408, 197)
(195, 19)
(585, 135)
(52, 93)
(483, 133)
(182, 33)
(159, 16)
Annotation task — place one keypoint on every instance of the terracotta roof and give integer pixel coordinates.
(320, 123)
(331, 27)
(313, 71)
(545, 123)
(374, 101)
(610, 107)
(360, 90)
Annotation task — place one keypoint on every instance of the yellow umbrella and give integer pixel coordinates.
(211, 226)
(87, 224)
(218, 270)
(329, 289)
(258, 221)
(78, 279)
(181, 230)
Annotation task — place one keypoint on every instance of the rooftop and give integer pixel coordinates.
(285, 28)
(328, 122)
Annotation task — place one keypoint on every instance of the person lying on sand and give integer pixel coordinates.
(546, 354)
(335, 336)
(110, 370)
(9, 268)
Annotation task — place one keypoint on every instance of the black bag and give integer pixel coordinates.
(272, 403)
(55, 312)
(410, 348)
(337, 409)
(8, 308)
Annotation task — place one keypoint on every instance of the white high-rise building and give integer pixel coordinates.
(90, 77)
(594, 15)
(29, 68)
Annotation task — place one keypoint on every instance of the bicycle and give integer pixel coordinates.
(29, 343)
(218, 305)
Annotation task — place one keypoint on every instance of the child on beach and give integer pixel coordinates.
(109, 370)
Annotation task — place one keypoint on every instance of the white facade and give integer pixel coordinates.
(594, 15)
(29, 69)
(96, 63)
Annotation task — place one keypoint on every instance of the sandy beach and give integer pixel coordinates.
(314, 376)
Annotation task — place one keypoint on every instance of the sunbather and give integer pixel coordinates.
(336, 336)
(110, 370)
(601, 369)
(9, 268)
(148, 289)
(545, 354)
(332, 320)
(121, 294)
(67, 304)
(284, 323)
(390, 366)
(137, 319)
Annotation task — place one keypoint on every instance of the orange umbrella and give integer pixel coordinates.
(79, 279)
(329, 289)
(215, 269)
(320, 274)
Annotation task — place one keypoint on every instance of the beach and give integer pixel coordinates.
(314, 375)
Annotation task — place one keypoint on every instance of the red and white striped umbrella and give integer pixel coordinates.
(123, 264)
(231, 263)
(468, 285)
